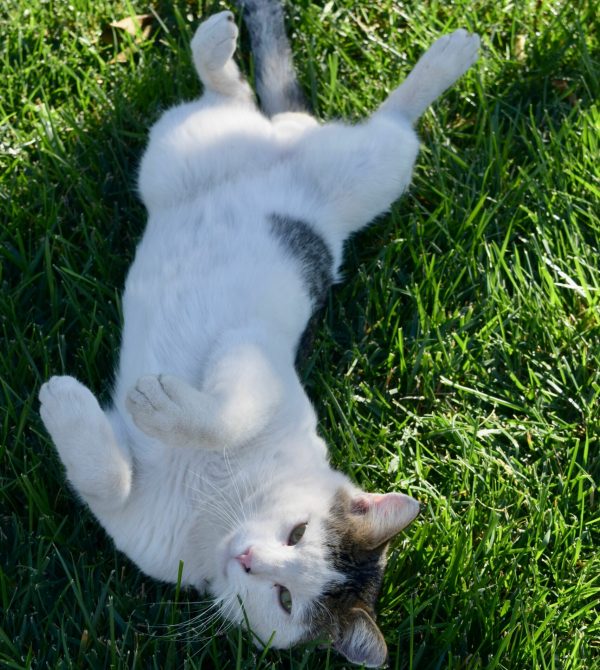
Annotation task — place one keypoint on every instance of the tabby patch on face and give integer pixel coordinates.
(351, 554)
(357, 534)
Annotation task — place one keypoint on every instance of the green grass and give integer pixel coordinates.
(460, 361)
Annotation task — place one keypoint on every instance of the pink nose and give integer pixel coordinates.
(245, 559)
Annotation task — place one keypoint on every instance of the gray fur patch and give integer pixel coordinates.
(311, 252)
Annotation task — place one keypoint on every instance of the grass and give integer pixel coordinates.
(460, 361)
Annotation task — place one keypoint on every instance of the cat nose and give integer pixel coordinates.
(245, 559)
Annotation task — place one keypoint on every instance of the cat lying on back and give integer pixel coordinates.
(210, 454)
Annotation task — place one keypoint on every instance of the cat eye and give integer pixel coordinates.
(285, 599)
(297, 534)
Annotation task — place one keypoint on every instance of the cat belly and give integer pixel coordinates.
(200, 272)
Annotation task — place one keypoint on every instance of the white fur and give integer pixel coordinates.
(211, 444)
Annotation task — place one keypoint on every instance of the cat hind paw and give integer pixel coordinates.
(214, 41)
(450, 56)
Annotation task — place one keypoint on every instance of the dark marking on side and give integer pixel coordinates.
(307, 342)
(310, 250)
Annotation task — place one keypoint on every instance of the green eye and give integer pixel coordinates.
(285, 599)
(297, 534)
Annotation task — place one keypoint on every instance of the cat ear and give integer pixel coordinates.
(361, 641)
(384, 515)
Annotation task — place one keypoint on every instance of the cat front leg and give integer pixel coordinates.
(441, 65)
(237, 401)
(213, 46)
(97, 467)
(169, 409)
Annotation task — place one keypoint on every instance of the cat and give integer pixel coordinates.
(210, 453)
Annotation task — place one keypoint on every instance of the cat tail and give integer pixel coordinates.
(276, 82)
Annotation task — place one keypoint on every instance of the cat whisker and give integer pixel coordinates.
(191, 630)
(224, 509)
(235, 485)
(229, 520)
(205, 613)
(219, 492)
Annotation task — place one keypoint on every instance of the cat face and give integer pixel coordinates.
(312, 567)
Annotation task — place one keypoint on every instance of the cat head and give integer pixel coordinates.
(311, 569)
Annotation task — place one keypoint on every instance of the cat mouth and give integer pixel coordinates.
(233, 563)
(232, 556)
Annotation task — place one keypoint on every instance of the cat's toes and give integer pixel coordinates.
(155, 406)
(75, 421)
(84, 439)
(452, 55)
(65, 404)
(215, 41)
(463, 48)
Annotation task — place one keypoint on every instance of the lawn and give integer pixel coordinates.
(459, 361)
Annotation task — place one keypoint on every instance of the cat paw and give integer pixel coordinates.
(451, 56)
(75, 421)
(157, 407)
(215, 41)
(65, 405)
(99, 471)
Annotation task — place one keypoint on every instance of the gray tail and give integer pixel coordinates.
(276, 82)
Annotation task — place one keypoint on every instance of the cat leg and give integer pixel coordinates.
(443, 63)
(169, 409)
(236, 402)
(361, 170)
(98, 468)
(213, 46)
(351, 174)
(276, 82)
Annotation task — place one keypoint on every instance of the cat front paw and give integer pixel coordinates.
(97, 468)
(158, 408)
(215, 41)
(75, 421)
(65, 405)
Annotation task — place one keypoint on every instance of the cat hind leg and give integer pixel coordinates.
(448, 58)
(363, 169)
(213, 46)
(99, 469)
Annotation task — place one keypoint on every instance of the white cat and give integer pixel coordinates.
(210, 454)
